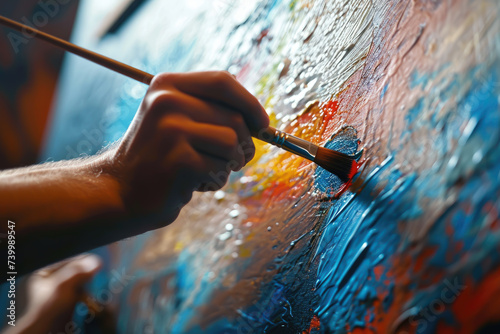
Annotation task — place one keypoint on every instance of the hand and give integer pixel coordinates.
(190, 132)
(53, 293)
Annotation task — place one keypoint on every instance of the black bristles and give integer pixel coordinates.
(338, 163)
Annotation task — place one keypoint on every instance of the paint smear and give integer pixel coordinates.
(411, 246)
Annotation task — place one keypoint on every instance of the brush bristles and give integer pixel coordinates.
(338, 163)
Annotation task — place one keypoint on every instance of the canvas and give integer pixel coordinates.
(411, 245)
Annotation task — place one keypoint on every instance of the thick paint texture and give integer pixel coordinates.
(344, 141)
(410, 245)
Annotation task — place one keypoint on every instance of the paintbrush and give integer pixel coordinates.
(338, 163)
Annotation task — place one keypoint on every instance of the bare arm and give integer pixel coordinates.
(60, 209)
(188, 128)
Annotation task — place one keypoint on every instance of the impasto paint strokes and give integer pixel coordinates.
(445, 151)
(411, 87)
(373, 258)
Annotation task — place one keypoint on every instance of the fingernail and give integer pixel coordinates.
(90, 263)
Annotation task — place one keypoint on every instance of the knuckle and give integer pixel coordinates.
(238, 121)
(172, 127)
(222, 79)
(227, 74)
(232, 139)
(163, 79)
(163, 100)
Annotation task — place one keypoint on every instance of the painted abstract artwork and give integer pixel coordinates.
(410, 245)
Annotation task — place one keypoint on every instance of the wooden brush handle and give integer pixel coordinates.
(267, 135)
(112, 64)
(270, 135)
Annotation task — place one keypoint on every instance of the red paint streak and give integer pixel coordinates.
(243, 73)
(449, 230)
(492, 214)
(423, 257)
(315, 325)
(330, 108)
(378, 271)
(474, 304)
(354, 170)
(359, 330)
(263, 34)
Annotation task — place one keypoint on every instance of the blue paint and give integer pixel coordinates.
(342, 275)
(414, 113)
(384, 90)
(344, 141)
(420, 80)
(355, 232)
(362, 229)
(346, 251)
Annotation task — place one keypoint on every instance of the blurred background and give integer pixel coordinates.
(29, 72)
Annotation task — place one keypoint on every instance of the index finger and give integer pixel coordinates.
(222, 87)
(50, 269)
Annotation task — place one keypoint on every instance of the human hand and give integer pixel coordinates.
(53, 292)
(189, 129)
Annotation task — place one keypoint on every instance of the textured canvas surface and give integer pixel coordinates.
(412, 245)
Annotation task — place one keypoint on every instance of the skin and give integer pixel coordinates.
(52, 294)
(188, 128)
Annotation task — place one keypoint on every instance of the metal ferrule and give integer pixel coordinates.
(295, 145)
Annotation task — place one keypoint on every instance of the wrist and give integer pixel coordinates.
(95, 191)
(106, 167)
(115, 195)
(138, 212)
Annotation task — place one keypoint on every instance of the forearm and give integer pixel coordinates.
(60, 209)
(188, 128)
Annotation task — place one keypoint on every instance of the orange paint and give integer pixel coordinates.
(285, 170)
(315, 325)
